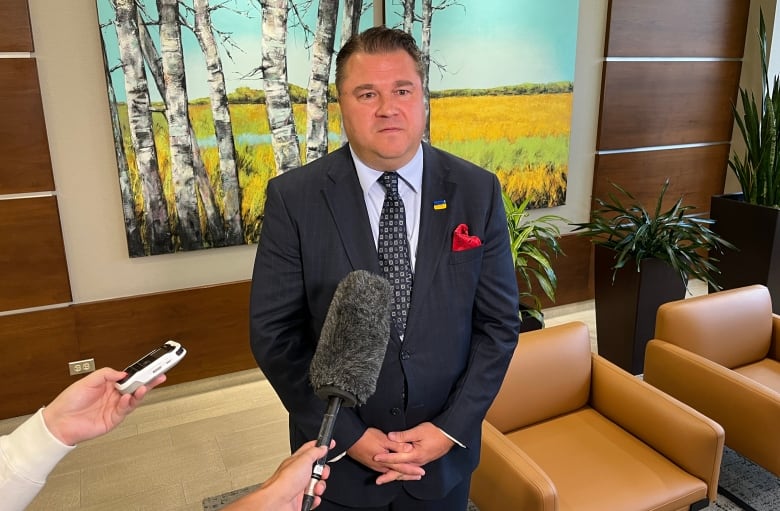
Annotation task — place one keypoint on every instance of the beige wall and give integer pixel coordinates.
(73, 87)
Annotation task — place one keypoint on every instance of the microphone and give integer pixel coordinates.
(349, 355)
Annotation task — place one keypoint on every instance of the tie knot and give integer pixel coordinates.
(390, 182)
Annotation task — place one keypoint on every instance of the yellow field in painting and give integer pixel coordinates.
(523, 139)
(493, 118)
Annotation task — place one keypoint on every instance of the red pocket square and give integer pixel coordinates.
(461, 239)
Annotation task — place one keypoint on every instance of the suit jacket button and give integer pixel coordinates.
(405, 355)
(395, 411)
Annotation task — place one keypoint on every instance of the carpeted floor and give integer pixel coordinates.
(744, 486)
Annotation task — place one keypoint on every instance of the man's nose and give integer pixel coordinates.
(387, 105)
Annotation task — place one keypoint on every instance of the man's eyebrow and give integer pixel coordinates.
(371, 86)
(363, 86)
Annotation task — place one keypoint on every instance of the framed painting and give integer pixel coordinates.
(209, 100)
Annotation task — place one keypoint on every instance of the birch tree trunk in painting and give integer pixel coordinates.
(223, 126)
(408, 16)
(135, 244)
(180, 141)
(350, 25)
(350, 22)
(151, 55)
(156, 223)
(317, 101)
(154, 61)
(425, 50)
(284, 139)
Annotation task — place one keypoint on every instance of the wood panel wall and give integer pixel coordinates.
(15, 31)
(650, 104)
(36, 346)
(211, 322)
(671, 28)
(26, 165)
(32, 257)
(670, 76)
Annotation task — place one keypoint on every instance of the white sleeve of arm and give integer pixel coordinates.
(27, 455)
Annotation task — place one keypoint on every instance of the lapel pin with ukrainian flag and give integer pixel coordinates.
(439, 204)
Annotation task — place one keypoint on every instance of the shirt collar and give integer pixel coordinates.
(411, 173)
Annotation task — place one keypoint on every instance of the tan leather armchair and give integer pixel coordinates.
(719, 354)
(569, 430)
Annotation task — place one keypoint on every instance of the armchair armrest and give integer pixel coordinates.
(774, 348)
(747, 410)
(506, 476)
(685, 436)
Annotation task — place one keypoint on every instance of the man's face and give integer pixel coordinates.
(381, 101)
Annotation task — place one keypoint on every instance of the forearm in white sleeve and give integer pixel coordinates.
(27, 455)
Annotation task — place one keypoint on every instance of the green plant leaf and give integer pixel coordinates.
(675, 235)
(758, 169)
(533, 242)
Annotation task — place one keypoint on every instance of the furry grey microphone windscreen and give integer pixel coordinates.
(354, 339)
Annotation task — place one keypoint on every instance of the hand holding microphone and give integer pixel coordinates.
(349, 355)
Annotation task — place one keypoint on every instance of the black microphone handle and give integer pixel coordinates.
(323, 438)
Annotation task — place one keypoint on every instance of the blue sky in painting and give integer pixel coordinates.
(482, 43)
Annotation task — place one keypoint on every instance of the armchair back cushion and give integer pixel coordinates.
(531, 392)
(732, 328)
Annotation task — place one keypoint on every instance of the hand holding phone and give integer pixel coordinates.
(150, 366)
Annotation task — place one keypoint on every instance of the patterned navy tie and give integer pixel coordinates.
(393, 248)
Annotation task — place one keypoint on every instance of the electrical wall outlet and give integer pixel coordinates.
(81, 366)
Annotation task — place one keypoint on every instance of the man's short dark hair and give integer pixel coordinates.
(377, 40)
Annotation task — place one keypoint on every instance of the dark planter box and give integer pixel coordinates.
(625, 310)
(753, 230)
(528, 322)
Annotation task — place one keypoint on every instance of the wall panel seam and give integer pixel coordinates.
(660, 147)
(28, 310)
(31, 195)
(672, 59)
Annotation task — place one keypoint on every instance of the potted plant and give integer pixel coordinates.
(533, 243)
(658, 251)
(750, 219)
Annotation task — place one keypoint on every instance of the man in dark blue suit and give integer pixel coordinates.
(416, 441)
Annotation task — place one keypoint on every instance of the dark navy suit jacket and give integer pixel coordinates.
(462, 325)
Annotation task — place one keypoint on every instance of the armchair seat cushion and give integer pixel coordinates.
(765, 372)
(597, 465)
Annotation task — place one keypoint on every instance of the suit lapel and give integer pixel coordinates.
(434, 227)
(343, 195)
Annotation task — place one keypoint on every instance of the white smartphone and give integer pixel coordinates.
(150, 366)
